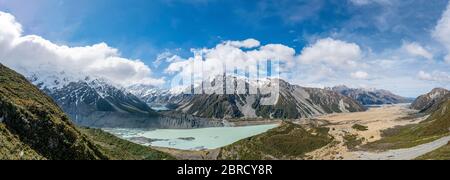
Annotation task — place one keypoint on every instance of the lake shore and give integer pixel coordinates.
(193, 139)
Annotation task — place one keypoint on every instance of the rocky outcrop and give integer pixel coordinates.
(429, 102)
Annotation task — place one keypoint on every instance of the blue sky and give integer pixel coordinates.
(142, 29)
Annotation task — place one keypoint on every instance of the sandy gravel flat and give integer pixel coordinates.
(376, 119)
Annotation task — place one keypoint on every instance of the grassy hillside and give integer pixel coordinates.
(118, 149)
(289, 141)
(435, 127)
(33, 123)
(13, 149)
(32, 126)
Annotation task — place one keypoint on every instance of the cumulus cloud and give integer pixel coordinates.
(415, 49)
(231, 56)
(360, 75)
(437, 76)
(326, 60)
(31, 54)
(249, 43)
(332, 52)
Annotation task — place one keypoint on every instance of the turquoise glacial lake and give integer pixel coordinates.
(191, 139)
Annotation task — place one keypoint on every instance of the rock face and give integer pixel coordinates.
(429, 102)
(293, 101)
(99, 104)
(370, 96)
(32, 126)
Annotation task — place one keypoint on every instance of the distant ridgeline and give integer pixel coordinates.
(371, 96)
(293, 101)
(99, 103)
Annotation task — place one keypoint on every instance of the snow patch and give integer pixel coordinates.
(247, 109)
(342, 106)
(435, 95)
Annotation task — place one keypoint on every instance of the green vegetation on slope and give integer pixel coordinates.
(32, 119)
(352, 141)
(435, 127)
(118, 149)
(289, 141)
(32, 126)
(360, 127)
(13, 149)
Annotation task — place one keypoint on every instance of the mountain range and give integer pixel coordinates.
(293, 101)
(95, 102)
(370, 96)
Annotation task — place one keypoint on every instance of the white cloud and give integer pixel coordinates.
(232, 55)
(332, 52)
(249, 43)
(415, 49)
(437, 76)
(327, 60)
(31, 54)
(360, 75)
(9, 30)
(442, 31)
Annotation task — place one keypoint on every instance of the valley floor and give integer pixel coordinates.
(344, 127)
(351, 132)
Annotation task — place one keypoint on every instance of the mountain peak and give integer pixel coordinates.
(439, 89)
(429, 101)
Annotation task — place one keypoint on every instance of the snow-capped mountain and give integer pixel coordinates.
(293, 101)
(370, 96)
(151, 94)
(95, 102)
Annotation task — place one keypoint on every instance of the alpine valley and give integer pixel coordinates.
(223, 80)
(311, 123)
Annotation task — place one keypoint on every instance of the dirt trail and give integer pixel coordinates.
(404, 154)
